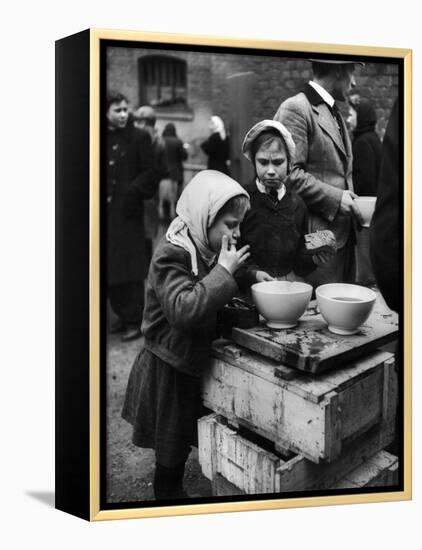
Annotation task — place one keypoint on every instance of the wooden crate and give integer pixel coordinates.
(236, 465)
(381, 470)
(315, 416)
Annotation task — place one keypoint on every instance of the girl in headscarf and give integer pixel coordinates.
(217, 146)
(276, 224)
(190, 279)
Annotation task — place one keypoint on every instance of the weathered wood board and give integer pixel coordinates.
(243, 463)
(381, 470)
(235, 355)
(236, 465)
(311, 347)
(315, 416)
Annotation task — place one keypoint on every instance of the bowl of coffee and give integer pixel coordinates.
(345, 307)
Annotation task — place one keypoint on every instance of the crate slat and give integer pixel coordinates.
(381, 470)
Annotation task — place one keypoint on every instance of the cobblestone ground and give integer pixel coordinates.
(129, 468)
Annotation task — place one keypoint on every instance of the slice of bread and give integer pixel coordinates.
(320, 241)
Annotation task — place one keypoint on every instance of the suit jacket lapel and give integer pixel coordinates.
(329, 125)
(347, 143)
(325, 118)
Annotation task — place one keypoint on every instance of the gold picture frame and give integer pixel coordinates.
(81, 470)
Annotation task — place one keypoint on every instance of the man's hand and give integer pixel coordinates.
(229, 257)
(348, 206)
(322, 257)
(262, 276)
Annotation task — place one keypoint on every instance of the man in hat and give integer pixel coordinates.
(322, 169)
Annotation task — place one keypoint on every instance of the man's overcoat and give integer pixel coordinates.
(131, 177)
(322, 167)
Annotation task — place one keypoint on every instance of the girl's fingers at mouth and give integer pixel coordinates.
(244, 249)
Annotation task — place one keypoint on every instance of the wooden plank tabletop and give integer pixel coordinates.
(311, 347)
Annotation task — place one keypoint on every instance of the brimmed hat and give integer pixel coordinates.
(337, 62)
(264, 126)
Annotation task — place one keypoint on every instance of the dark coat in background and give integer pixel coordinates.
(385, 232)
(366, 152)
(160, 156)
(151, 221)
(131, 177)
(275, 233)
(176, 154)
(218, 152)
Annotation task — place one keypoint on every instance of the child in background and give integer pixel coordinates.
(275, 225)
(189, 281)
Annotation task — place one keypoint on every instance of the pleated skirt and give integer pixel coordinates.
(163, 405)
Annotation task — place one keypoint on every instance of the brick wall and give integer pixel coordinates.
(280, 78)
(275, 79)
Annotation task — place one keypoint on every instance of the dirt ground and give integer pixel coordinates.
(130, 469)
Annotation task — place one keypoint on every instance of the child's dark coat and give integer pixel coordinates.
(275, 233)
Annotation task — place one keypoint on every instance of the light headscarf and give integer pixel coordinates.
(217, 125)
(197, 208)
(262, 127)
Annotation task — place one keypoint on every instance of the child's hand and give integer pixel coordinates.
(229, 257)
(322, 257)
(262, 276)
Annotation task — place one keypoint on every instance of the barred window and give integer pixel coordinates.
(162, 81)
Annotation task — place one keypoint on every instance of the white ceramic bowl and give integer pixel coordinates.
(345, 307)
(281, 302)
(366, 207)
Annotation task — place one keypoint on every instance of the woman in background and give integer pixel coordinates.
(176, 154)
(366, 168)
(217, 146)
(172, 186)
(366, 151)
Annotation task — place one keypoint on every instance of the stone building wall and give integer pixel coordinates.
(280, 78)
(274, 79)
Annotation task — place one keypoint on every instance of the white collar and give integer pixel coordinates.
(328, 98)
(280, 192)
